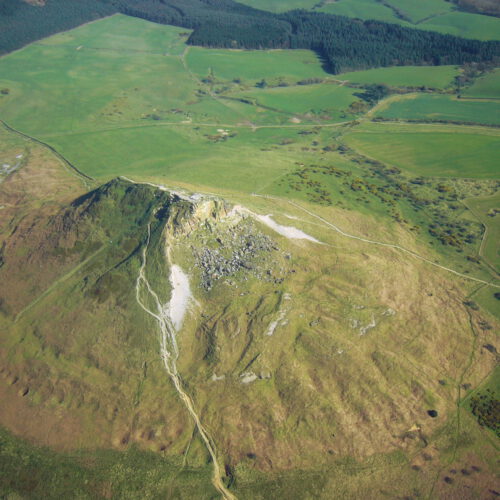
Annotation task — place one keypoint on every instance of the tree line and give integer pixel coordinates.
(343, 43)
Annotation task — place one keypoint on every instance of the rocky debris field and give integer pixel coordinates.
(231, 249)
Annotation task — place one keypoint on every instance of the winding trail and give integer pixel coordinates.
(169, 354)
(379, 243)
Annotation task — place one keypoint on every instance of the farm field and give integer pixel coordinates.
(280, 5)
(332, 100)
(124, 33)
(442, 107)
(201, 133)
(429, 150)
(485, 87)
(416, 12)
(464, 24)
(180, 154)
(154, 87)
(439, 77)
(251, 66)
(404, 12)
(361, 9)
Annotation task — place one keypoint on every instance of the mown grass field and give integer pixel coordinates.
(443, 107)
(485, 87)
(439, 77)
(431, 150)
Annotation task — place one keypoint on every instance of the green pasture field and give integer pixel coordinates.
(487, 86)
(411, 12)
(439, 77)
(114, 112)
(124, 33)
(423, 9)
(427, 150)
(361, 9)
(89, 89)
(443, 107)
(487, 210)
(247, 162)
(323, 98)
(85, 89)
(252, 66)
(464, 24)
(280, 5)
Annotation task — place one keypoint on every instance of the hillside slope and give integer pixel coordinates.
(305, 362)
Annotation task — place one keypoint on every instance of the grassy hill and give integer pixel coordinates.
(106, 374)
(337, 368)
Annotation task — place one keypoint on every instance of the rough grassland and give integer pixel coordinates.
(487, 209)
(441, 107)
(423, 150)
(485, 87)
(251, 429)
(439, 77)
